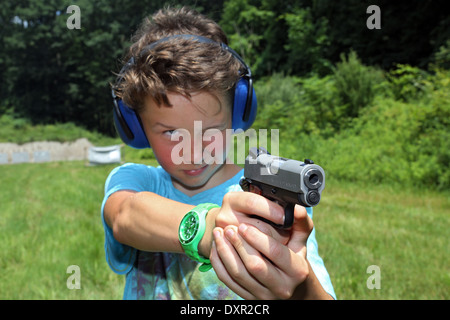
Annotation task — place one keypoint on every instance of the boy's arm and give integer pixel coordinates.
(149, 222)
(145, 220)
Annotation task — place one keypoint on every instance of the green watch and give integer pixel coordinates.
(191, 231)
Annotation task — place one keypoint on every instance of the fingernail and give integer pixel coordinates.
(229, 233)
(242, 227)
(216, 234)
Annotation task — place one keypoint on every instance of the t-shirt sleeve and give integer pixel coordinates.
(120, 257)
(316, 262)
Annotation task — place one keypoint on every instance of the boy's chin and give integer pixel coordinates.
(190, 179)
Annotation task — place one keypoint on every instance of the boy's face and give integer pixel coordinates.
(167, 127)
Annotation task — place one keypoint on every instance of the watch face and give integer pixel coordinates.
(189, 227)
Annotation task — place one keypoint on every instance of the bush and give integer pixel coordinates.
(278, 87)
(277, 97)
(302, 105)
(407, 83)
(322, 115)
(393, 142)
(355, 83)
(308, 42)
(21, 130)
(441, 58)
(390, 141)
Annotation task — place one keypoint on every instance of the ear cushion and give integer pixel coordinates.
(241, 120)
(129, 126)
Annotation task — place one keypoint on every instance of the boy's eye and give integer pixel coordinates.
(173, 135)
(176, 134)
(169, 132)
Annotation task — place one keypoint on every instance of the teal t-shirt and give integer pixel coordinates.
(162, 275)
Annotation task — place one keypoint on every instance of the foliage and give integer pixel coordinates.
(247, 27)
(398, 140)
(355, 84)
(442, 57)
(260, 30)
(407, 82)
(394, 143)
(21, 130)
(305, 105)
(307, 43)
(53, 74)
(322, 105)
(299, 37)
(341, 110)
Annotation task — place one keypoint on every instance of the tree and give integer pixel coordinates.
(54, 74)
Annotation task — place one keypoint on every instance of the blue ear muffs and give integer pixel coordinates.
(128, 123)
(129, 126)
(245, 105)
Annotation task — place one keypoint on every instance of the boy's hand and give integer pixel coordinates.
(257, 266)
(241, 207)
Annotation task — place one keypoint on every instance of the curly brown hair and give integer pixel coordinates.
(177, 64)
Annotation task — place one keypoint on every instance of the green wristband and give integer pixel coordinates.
(191, 231)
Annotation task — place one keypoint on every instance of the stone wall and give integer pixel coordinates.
(44, 151)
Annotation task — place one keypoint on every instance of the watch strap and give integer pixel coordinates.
(191, 249)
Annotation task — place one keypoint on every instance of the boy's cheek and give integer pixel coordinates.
(166, 160)
(163, 154)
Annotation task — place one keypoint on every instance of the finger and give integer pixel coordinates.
(243, 275)
(301, 229)
(280, 255)
(281, 235)
(254, 204)
(221, 271)
(220, 252)
(256, 264)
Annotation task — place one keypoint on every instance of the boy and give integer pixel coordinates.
(179, 74)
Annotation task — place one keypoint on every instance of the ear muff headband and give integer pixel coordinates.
(128, 123)
(250, 93)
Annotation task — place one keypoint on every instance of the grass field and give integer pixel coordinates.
(50, 219)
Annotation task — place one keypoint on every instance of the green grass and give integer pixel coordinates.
(50, 219)
(403, 232)
(21, 130)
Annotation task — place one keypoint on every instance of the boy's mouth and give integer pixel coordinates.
(195, 172)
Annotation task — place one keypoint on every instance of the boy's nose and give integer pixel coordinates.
(197, 147)
(197, 154)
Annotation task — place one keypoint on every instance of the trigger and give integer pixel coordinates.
(288, 216)
(255, 189)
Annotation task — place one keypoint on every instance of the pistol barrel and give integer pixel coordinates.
(287, 177)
